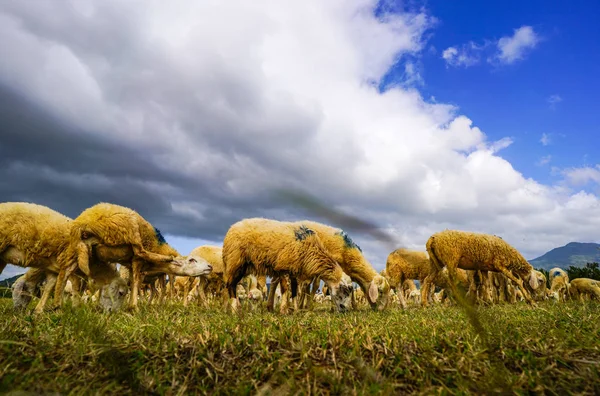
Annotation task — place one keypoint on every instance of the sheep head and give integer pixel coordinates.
(255, 295)
(534, 280)
(113, 294)
(379, 291)
(189, 266)
(341, 295)
(21, 293)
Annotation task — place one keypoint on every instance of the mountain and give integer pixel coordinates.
(575, 253)
(9, 281)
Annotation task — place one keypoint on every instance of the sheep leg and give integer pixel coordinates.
(172, 293)
(162, 283)
(202, 298)
(519, 283)
(66, 270)
(271, 299)
(283, 306)
(186, 290)
(294, 289)
(143, 254)
(76, 282)
(232, 288)
(426, 286)
(61, 282)
(153, 292)
(136, 265)
(50, 283)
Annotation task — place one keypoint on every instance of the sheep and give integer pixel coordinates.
(108, 233)
(349, 256)
(559, 284)
(581, 287)
(253, 292)
(404, 264)
(271, 247)
(474, 251)
(36, 236)
(541, 293)
(214, 256)
(411, 293)
(29, 283)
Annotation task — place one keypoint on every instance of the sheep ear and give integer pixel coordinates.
(533, 281)
(373, 292)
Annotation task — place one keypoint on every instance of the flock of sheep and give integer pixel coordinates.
(110, 254)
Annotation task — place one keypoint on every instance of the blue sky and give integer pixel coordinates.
(513, 100)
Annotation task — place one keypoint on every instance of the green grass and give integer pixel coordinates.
(169, 349)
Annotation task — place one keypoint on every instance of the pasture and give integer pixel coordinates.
(170, 349)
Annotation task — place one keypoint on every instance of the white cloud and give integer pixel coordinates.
(279, 95)
(545, 139)
(506, 50)
(11, 270)
(553, 100)
(582, 176)
(545, 160)
(513, 48)
(465, 55)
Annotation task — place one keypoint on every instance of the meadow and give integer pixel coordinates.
(170, 349)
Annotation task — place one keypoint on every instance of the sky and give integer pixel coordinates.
(416, 116)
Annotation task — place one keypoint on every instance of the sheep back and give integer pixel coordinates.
(115, 225)
(37, 231)
(268, 247)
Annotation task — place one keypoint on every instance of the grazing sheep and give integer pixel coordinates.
(411, 293)
(36, 236)
(108, 233)
(214, 280)
(270, 247)
(541, 293)
(474, 251)
(559, 284)
(349, 256)
(250, 284)
(404, 264)
(585, 287)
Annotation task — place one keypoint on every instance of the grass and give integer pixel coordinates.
(169, 349)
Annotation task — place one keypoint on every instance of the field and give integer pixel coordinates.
(169, 349)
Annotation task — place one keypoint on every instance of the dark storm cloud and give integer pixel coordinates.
(46, 161)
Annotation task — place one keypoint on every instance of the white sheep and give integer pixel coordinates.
(474, 251)
(38, 237)
(559, 284)
(108, 233)
(585, 287)
(270, 247)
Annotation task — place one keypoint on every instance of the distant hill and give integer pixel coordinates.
(575, 253)
(9, 281)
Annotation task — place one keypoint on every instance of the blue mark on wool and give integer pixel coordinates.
(159, 236)
(556, 273)
(303, 232)
(348, 241)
